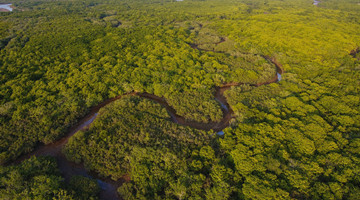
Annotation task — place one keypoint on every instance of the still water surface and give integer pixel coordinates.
(6, 6)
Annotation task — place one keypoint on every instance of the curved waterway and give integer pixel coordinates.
(316, 2)
(6, 8)
(108, 186)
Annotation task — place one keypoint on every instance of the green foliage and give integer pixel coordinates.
(85, 188)
(57, 64)
(39, 178)
(296, 139)
(300, 137)
(36, 178)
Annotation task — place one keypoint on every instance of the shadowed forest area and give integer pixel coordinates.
(298, 138)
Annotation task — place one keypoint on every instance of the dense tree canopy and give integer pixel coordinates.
(298, 138)
(39, 178)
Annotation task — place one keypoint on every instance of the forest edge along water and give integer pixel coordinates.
(316, 2)
(109, 186)
(59, 59)
(6, 8)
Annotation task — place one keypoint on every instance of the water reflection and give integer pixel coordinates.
(6, 7)
(222, 105)
(88, 122)
(316, 2)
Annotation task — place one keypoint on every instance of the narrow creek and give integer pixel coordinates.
(6, 8)
(316, 2)
(109, 186)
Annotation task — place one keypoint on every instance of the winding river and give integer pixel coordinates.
(108, 186)
(316, 2)
(6, 8)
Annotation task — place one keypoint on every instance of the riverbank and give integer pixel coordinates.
(109, 186)
(6, 8)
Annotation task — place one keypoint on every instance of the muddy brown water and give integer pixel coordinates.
(109, 186)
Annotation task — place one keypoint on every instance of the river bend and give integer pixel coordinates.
(108, 186)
